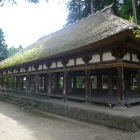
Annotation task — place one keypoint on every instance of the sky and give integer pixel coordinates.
(24, 23)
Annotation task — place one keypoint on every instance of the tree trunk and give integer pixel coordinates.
(92, 7)
(134, 11)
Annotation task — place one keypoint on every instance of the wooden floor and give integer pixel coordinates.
(97, 97)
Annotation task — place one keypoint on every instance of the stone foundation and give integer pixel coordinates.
(114, 121)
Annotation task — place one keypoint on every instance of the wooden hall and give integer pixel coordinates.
(73, 63)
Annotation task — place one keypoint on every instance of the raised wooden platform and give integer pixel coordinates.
(101, 97)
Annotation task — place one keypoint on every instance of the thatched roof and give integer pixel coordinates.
(96, 27)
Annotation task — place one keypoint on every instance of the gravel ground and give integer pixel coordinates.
(23, 124)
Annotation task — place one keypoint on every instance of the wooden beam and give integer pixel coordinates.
(99, 66)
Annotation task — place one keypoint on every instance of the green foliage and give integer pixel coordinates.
(126, 11)
(80, 80)
(79, 9)
(12, 50)
(137, 32)
(75, 8)
(3, 46)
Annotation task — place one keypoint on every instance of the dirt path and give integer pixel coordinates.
(22, 124)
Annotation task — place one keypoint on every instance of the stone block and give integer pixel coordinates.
(131, 127)
(130, 120)
(95, 120)
(108, 122)
(137, 120)
(102, 116)
(83, 114)
(121, 126)
(93, 116)
(101, 122)
(119, 119)
(115, 125)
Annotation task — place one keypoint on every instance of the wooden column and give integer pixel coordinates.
(41, 82)
(74, 81)
(36, 83)
(49, 86)
(110, 81)
(69, 82)
(138, 72)
(45, 83)
(127, 80)
(120, 83)
(65, 88)
(28, 84)
(19, 83)
(16, 82)
(2, 82)
(22, 82)
(12, 82)
(56, 82)
(88, 84)
(99, 80)
(7, 82)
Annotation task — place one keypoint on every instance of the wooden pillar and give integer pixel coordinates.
(65, 87)
(138, 72)
(74, 81)
(69, 82)
(12, 82)
(45, 82)
(49, 86)
(2, 82)
(88, 84)
(22, 82)
(127, 80)
(36, 83)
(56, 82)
(41, 82)
(99, 80)
(110, 81)
(28, 84)
(7, 82)
(19, 83)
(120, 83)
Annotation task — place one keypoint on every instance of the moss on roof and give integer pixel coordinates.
(89, 30)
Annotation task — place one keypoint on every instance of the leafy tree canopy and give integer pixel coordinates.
(12, 50)
(79, 9)
(126, 11)
(3, 46)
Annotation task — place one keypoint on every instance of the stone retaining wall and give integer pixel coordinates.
(120, 122)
